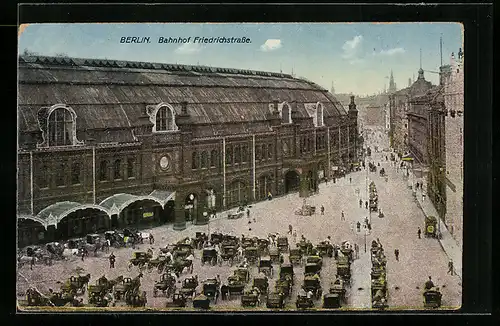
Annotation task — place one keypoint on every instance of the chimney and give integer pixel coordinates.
(352, 105)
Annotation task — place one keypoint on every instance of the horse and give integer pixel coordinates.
(23, 260)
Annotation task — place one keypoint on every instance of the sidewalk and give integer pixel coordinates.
(450, 246)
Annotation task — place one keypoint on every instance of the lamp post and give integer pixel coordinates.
(205, 214)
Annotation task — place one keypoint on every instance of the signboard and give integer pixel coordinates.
(335, 168)
(407, 159)
(147, 214)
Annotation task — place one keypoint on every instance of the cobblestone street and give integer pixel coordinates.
(419, 258)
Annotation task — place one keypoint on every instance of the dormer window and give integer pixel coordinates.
(319, 115)
(58, 126)
(163, 117)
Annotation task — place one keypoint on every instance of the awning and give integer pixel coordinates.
(53, 214)
(163, 196)
(32, 218)
(118, 202)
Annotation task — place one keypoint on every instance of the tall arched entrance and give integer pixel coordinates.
(292, 181)
(141, 213)
(29, 232)
(81, 223)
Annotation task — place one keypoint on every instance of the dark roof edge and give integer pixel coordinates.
(71, 61)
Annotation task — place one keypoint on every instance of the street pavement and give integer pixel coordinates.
(419, 258)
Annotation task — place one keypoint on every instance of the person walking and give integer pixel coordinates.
(290, 229)
(112, 260)
(423, 195)
(356, 249)
(32, 262)
(360, 203)
(396, 253)
(248, 213)
(322, 210)
(419, 232)
(151, 238)
(366, 204)
(450, 267)
(358, 226)
(342, 216)
(350, 180)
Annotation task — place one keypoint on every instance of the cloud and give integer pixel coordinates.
(188, 48)
(391, 52)
(271, 45)
(352, 48)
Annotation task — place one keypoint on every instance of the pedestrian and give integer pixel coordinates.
(423, 196)
(95, 251)
(294, 236)
(450, 267)
(360, 203)
(369, 225)
(32, 262)
(416, 185)
(356, 249)
(83, 255)
(248, 213)
(396, 253)
(269, 196)
(322, 210)
(358, 226)
(419, 232)
(342, 217)
(151, 238)
(112, 260)
(350, 180)
(290, 229)
(366, 204)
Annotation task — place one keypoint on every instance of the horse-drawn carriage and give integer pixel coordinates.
(235, 286)
(248, 242)
(315, 260)
(229, 253)
(324, 249)
(239, 213)
(286, 271)
(189, 286)
(166, 285)
(306, 210)
(252, 255)
(127, 285)
(96, 293)
(115, 238)
(159, 263)
(178, 301)
(200, 239)
(379, 299)
(303, 302)
(337, 287)
(136, 299)
(344, 270)
(243, 273)
(250, 297)
(276, 255)
(209, 255)
(182, 250)
(261, 283)
(211, 289)
(201, 301)
(432, 298)
(263, 246)
(266, 266)
(282, 244)
(275, 300)
(382, 172)
(216, 238)
(332, 301)
(76, 284)
(295, 256)
(77, 243)
(140, 259)
(313, 284)
(430, 226)
(305, 247)
(312, 269)
(284, 285)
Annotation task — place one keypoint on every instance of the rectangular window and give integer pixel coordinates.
(43, 177)
(103, 171)
(75, 173)
(130, 167)
(61, 175)
(117, 170)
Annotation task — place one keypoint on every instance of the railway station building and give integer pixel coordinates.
(106, 144)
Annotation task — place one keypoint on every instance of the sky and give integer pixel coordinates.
(356, 57)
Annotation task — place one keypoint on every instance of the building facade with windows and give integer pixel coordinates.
(106, 144)
(454, 139)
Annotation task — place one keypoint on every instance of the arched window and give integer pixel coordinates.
(117, 169)
(244, 154)
(60, 127)
(213, 158)
(165, 119)
(75, 173)
(237, 155)
(229, 155)
(130, 167)
(61, 175)
(204, 159)
(264, 151)
(257, 152)
(103, 170)
(319, 115)
(286, 114)
(44, 176)
(194, 161)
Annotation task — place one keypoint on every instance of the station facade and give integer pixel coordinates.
(109, 144)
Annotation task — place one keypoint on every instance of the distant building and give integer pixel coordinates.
(392, 85)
